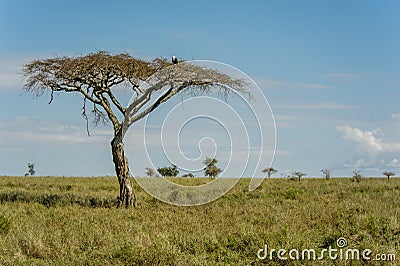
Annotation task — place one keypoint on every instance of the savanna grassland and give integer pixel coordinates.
(74, 221)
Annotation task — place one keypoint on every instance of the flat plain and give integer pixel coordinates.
(74, 221)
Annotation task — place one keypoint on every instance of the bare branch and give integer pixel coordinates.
(107, 107)
(132, 119)
(139, 102)
(85, 116)
(116, 102)
(181, 77)
(51, 97)
(99, 116)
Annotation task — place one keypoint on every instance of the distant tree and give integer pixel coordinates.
(212, 171)
(327, 173)
(357, 176)
(269, 171)
(171, 171)
(188, 175)
(211, 168)
(31, 169)
(299, 175)
(388, 174)
(150, 172)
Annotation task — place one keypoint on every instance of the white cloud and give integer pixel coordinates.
(371, 141)
(372, 165)
(375, 151)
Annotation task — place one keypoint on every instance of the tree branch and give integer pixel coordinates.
(116, 102)
(163, 98)
(107, 107)
(85, 116)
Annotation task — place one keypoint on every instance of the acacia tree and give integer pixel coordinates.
(96, 76)
(269, 171)
(150, 172)
(211, 168)
(357, 175)
(298, 174)
(327, 173)
(388, 174)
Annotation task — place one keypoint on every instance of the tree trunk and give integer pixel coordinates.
(126, 195)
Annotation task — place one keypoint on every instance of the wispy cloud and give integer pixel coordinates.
(312, 86)
(343, 77)
(10, 70)
(279, 84)
(333, 106)
(285, 121)
(27, 130)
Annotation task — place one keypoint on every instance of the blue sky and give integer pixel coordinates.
(329, 69)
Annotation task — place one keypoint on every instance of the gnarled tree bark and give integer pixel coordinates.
(127, 196)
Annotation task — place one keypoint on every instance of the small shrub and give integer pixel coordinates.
(292, 193)
(357, 176)
(5, 224)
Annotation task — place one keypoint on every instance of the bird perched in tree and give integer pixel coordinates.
(174, 60)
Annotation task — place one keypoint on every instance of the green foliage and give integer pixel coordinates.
(211, 169)
(66, 221)
(31, 169)
(171, 171)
